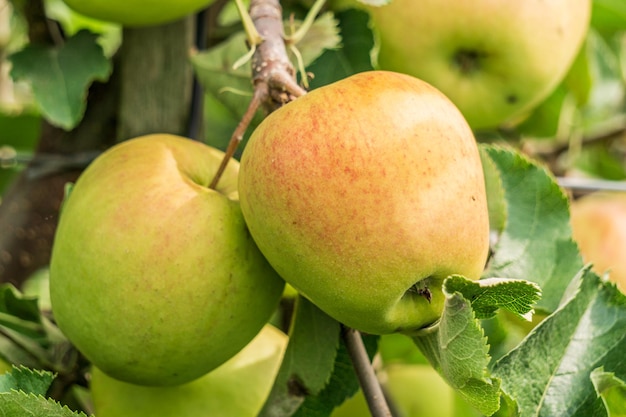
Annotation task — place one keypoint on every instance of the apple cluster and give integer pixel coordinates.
(364, 206)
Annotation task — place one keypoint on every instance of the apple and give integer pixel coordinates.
(364, 195)
(154, 277)
(238, 388)
(137, 12)
(598, 223)
(495, 60)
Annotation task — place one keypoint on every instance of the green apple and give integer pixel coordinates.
(237, 388)
(365, 195)
(137, 12)
(154, 277)
(599, 227)
(495, 60)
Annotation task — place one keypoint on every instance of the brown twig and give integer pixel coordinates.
(273, 75)
(365, 372)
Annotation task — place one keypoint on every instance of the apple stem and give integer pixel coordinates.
(370, 385)
(273, 75)
(237, 136)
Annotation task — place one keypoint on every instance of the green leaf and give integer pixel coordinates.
(20, 313)
(458, 350)
(228, 90)
(60, 76)
(342, 385)
(323, 35)
(110, 34)
(20, 404)
(536, 243)
(612, 391)
(608, 15)
(308, 362)
(608, 91)
(30, 381)
(490, 294)
(548, 374)
(352, 57)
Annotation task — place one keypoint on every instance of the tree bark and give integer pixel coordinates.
(149, 91)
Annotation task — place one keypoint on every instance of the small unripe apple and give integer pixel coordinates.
(365, 195)
(495, 60)
(154, 276)
(137, 12)
(599, 227)
(238, 388)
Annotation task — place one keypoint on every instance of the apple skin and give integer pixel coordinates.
(495, 60)
(362, 189)
(137, 12)
(599, 227)
(238, 388)
(154, 276)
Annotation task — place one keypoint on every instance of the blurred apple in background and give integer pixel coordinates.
(495, 60)
(599, 227)
(137, 12)
(238, 388)
(414, 390)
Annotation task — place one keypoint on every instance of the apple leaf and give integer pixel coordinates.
(20, 313)
(214, 69)
(20, 404)
(308, 362)
(31, 381)
(60, 76)
(612, 390)
(608, 15)
(352, 57)
(232, 86)
(458, 350)
(536, 243)
(490, 294)
(606, 98)
(585, 333)
(342, 385)
(323, 35)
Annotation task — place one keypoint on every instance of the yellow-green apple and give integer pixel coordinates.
(238, 388)
(365, 195)
(599, 227)
(137, 12)
(154, 277)
(494, 59)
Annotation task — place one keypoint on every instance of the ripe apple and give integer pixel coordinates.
(365, 195)
(154, 276)
(238, 388)
(599, 227)
(137, 12)
(494, 59)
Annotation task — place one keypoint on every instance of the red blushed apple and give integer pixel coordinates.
(365, 195)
